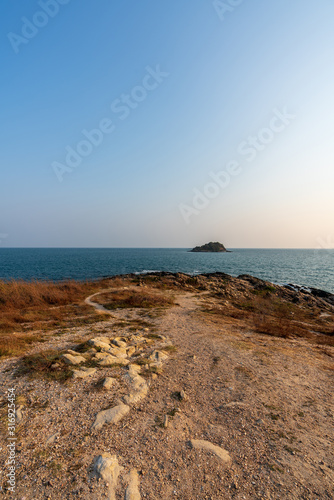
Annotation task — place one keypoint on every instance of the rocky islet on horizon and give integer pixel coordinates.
(210, 247)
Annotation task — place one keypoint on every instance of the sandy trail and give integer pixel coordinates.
(96, 305)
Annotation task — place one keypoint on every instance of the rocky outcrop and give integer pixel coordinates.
(210, 247)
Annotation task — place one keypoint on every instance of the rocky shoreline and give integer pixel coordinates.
(211, 280)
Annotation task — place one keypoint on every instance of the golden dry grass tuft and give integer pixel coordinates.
(46, 364)
(134, 298)
(16, 295)
(15, 344)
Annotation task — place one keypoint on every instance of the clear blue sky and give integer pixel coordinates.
(200, 86)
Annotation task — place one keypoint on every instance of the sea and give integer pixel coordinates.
(310, 268)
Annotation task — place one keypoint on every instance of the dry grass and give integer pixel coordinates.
(271, 315)
(15, 295)
(133, 298)
(46, 364)
(28, 309)
(16, 344)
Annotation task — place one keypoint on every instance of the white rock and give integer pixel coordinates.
(108, 383)
(216, 450)
(134, 369)
(91, 351)
(105, 359)
(52, 438)
(106, 340)
(73, 360)
(110, 416)
(74, 353)
(107, 468)
(157, 357)
(235, 403)
(138, 386)
(104, 346)
(83, 372)
(183, 395)
(119, 343)
(131, 350)
(119, 352)
(132, 491)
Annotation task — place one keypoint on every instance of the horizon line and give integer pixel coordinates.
(155, 248)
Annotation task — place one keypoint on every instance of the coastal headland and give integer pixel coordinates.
(166, 385)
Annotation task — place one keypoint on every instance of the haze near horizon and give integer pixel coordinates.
(167, 124)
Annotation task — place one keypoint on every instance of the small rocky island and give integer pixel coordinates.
(210, 247)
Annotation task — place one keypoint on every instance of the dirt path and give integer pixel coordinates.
(267, 401)
(98, 307)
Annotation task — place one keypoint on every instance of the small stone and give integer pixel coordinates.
(74, 353)
(110, 416)
(134, 369)
(91, 351)
(216, 450)
(132, 491)
(165, 423)
(52, 438)
(119, 343)
(73, 360)
(105, 340)
(107, 468)
(157, 357)
(161, 337)
(234, 404)
(183, 395)
(83, 372)
(108, 383)
(131, 350)
(99, 344)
